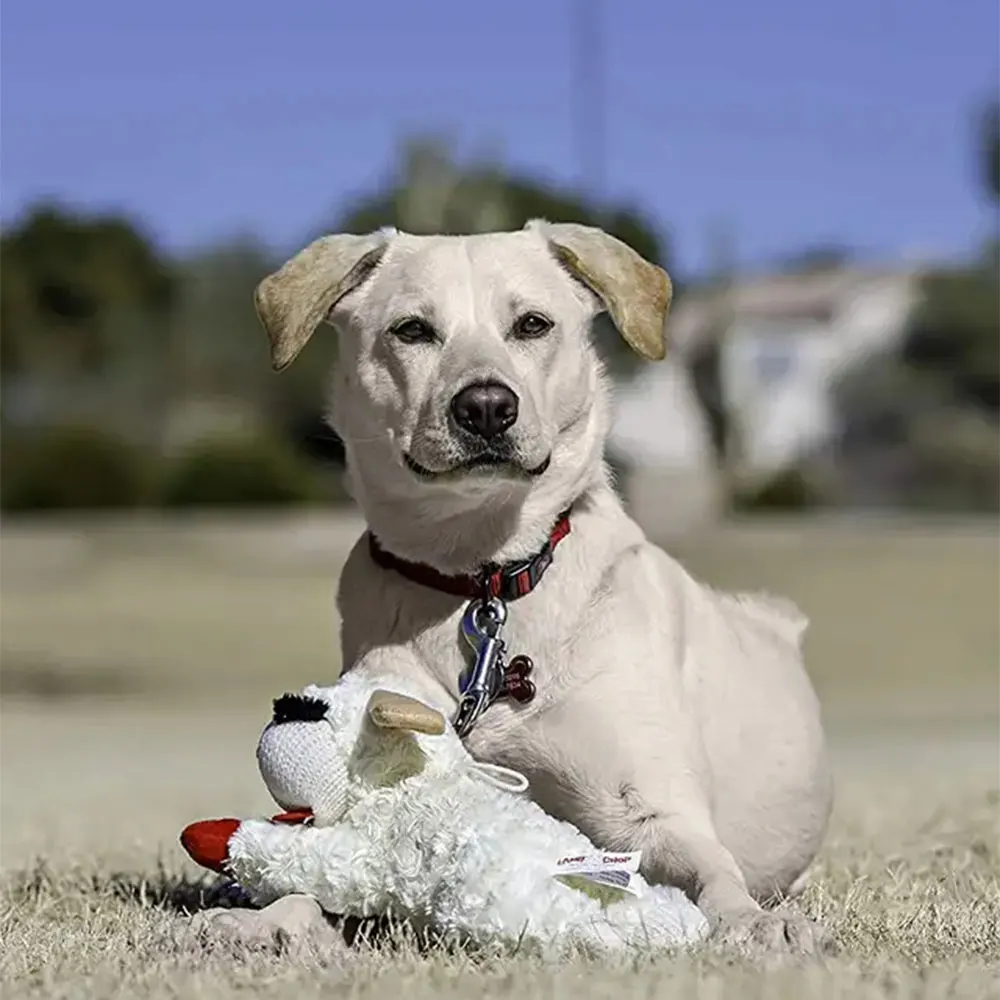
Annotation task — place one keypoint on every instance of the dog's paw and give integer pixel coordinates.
(299, 922)
(760, 933)
(290, 925)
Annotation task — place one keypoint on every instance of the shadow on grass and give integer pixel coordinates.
(179, 894)
(163, 889)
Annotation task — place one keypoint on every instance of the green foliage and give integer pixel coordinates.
(220, 349)
(82, 467)
(219, 344)
(954, 336)
(928, 419)
(956, 454)
(76, 467)
(238, 471)
(934, 454)
(790, 491)
(75, 290)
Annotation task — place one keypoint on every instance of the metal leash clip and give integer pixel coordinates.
(482, 683)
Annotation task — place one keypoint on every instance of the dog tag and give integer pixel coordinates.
(515, 682)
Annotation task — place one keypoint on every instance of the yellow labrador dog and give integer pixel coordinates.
(501, 572)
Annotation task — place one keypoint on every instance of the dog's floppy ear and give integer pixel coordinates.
(635, 293)
(294, 300)
(391, 710)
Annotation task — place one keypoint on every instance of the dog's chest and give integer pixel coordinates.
(533, 629)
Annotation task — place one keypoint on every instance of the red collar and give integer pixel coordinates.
(507, 582)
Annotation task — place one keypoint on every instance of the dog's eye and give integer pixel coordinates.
(414, 331)
(532, 325)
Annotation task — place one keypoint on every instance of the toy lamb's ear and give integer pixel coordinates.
(391, 710)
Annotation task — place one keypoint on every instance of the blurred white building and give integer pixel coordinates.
(777, 345)
(661, 435)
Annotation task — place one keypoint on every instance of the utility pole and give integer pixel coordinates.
(721, 246)
(589, 97)
(722, 268)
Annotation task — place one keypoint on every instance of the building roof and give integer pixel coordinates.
(702, 315)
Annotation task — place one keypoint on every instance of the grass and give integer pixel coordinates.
(137, 667)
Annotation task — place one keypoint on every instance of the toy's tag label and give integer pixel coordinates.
(613, 871)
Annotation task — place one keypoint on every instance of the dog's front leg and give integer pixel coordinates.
(669, 821)
(622, 755)
(682, 848)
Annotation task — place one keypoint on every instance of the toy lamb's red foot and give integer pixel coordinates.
(207, 841)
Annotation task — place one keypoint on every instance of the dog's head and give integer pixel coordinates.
(466, 368)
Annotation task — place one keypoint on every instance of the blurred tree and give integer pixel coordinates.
(927, 420)
(218, 339)
(85, 307)
(222, 350)
(255, 470)
(71, 467)
(431, 193)
(75, 292)
(954, 336)
(906, 443)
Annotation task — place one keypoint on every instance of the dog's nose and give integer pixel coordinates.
(485, 409)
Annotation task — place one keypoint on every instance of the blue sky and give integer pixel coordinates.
(795, 122)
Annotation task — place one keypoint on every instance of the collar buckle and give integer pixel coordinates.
(505, 582)
(483, 683)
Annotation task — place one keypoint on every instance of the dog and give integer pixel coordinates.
(661, 715)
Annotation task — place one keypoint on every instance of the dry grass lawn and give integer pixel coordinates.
(137, 667)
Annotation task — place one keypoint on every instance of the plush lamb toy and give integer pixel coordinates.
(401, 821)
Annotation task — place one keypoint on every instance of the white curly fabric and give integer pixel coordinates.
(424, 836)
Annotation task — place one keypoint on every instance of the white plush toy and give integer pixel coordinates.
(400, 821)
